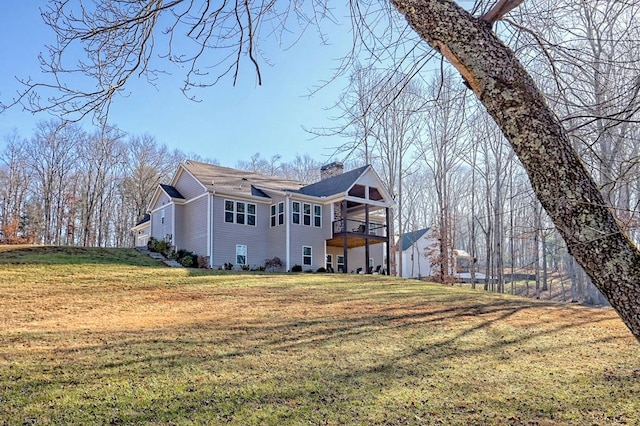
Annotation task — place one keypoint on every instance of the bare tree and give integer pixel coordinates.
(102, 153)
(257, 164)
(52, 155)
(441, 147)
(119, 36)
(14, 185)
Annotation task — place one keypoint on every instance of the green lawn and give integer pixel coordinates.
(122, 340)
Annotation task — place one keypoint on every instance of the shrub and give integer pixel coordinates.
(228, 266)
(321, 270)
(158, 246)
(151, 244)
(203, 262)
(185, 258)
(273, 264)
(296, 268)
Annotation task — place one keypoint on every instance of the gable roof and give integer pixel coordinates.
(226, 179)
(146, 218)
(335, 184)
(171, 191)
(410, 238)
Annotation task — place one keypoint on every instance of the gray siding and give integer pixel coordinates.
(193, 226)
(276, 235)
(227, 235)
(312, 236)
(160, 230)
(188, 186)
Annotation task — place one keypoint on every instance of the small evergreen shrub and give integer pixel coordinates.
(296, 268)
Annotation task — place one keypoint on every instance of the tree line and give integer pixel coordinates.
(558, 79)
(65, 185)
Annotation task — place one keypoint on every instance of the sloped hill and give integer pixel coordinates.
(113, 343)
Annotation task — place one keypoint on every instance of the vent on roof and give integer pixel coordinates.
(244, 178)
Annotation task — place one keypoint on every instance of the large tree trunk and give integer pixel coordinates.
(560, 181)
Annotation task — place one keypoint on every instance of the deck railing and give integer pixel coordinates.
(359, 227)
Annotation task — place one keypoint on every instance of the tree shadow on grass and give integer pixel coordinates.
(319, 367)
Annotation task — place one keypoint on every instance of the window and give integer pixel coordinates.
(296, 213)
(340, 263)
(306, 214)
(241, 254)
(329, 262)
(280, 213)
(251, 214)
(273, 215)
(228, 211)
(240, 207)
(306, 255)
(239, 212)
(162, 216)
(317, 216)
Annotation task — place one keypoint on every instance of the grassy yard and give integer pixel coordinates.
(110, 337)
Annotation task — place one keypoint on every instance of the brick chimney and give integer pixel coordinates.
(333, 169)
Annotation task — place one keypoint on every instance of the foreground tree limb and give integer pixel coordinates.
(560, 180)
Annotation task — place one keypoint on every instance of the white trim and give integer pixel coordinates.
(314, 216)
(178, 173)
(245, 213)
(195, 198)
(370, 202)
(173, 227)
(293, 195)
(287, 231)
(243, 197)
(210, 230)
(310, 256)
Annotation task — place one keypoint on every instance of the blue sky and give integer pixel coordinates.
(230, 124)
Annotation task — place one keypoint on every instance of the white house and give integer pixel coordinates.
(413, 249)
(416, 248)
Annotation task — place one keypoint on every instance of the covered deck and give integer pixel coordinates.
(361, 224)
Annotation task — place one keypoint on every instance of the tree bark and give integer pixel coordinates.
(559, 179)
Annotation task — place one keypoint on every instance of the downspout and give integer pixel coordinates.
(388, 242)
(287, 230)
(366, 237)
(210, 230)
(345, 246)
(173, 226)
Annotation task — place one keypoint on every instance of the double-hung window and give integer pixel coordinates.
(306, 214)
(241, 254)
(295, 207)
(306, 255)
(239, 212)
(281, 213)
(273, 215)
(317, 215)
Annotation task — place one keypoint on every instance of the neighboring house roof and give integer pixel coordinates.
(410, 238)
(171, 191)
(146, 218)
(226, 179)
(333, 185)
